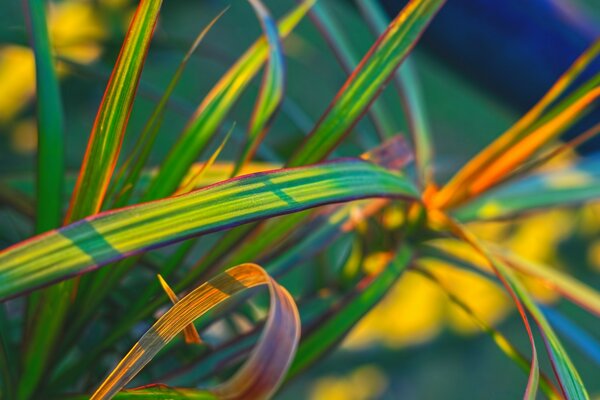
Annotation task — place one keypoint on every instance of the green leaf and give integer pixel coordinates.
(271, 89)
(114, 235)
(565, 187)
(367, 81)
(566, 373)
(501, 341)
(407, 84)
(569, 287)
(50, 124)
(49, 308)
(262, 372)
(336, 39)
(111, 121)
(211, 112)
(332, 329)
(139, 156)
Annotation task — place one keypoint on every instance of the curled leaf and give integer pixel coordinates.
(266, 366)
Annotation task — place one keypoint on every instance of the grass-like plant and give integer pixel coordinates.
(77, 293)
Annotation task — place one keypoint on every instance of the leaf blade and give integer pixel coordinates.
(114, 235)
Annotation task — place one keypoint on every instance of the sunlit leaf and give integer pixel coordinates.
(264, 370)
(111, 121)
(407, 84)
(189, 332)
(574, 185)
(367, 81)
(522, 131)
(114, 235)
(50, 306)
(211, 112)
(130, 172)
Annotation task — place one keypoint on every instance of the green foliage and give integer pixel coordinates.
(71, 320)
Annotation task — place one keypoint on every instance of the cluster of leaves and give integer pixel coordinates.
(66, 285)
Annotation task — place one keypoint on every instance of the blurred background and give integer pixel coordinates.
(480, 66)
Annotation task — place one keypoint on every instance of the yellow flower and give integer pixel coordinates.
(75, 32)
(366, 382)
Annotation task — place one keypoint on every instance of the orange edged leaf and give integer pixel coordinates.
(266, 366)
(190, 333)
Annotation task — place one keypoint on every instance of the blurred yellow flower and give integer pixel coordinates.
(75, 32)
(17, 74)
(416, 309)
(366, 382)
(24, 136)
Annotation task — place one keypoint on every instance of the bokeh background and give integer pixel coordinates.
(415, 344)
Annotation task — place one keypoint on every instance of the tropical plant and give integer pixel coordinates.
(79, 291)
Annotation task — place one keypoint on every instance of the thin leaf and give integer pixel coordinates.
(393, 154)
(110, 236)
(264, 370)
(50, 307)
(501, 341)
(587, 344)
(50, 123)
(571, 288)
(141, 151)
(569, 186)
(341, 47)
(211, 112)
(189, 332)
(111, 121)
(367, 81)
(457, 189)
(568, 377)
(271, 89)
(526, 147)
(407, 84)
(193, 181)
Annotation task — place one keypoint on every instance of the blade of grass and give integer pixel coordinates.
(209, 115)
(88, 195)
(454, 191)
(337, 41)
(110, 236)
(393, 154)
(529, 145)
(574, 290)
(272, 87)
(580, 338)
(557, 150)
(50, 164)
(262, 373)
(50, 129)
(139, 156)
(111, 121)
(574, 185)
(367, 81)
(192, 182)
(501, 341)
(568, 377)
(406, 82)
